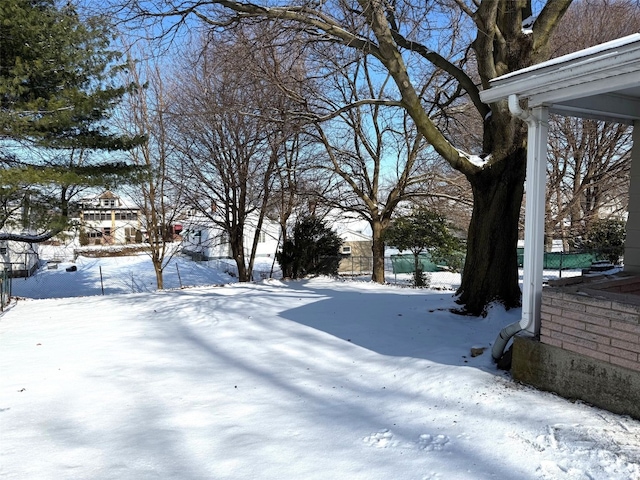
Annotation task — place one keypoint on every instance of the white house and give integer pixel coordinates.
(20, 259)
(106, 220)
(204, 240)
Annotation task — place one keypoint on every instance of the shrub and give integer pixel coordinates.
(606, 236)
(314, 249)
(83, 238)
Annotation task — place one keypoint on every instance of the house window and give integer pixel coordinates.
(346, 250)
(262, 237)
(106, 231)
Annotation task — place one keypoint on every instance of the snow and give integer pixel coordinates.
(314, 379)
(607, 48)
(126, 274)
(475, 160)
(527, 24)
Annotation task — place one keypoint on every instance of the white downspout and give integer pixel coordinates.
(537, 122)
(517, 111)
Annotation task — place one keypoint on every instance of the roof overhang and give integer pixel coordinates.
(601, 82)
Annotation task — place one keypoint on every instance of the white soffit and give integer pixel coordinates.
(600, 82)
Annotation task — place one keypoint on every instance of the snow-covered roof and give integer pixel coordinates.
(354, 236)
(601, 82)
(108, 194)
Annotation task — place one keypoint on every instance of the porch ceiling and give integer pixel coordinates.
(602, 82)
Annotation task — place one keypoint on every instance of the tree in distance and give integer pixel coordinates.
(607, 236)
(423, 231)
(313, 249)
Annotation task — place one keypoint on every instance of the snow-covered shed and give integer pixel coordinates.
(580, 340)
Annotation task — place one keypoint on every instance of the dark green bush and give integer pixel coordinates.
(314, 249)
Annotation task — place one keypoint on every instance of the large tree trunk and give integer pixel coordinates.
(377, 249)
(491, 269)
(244, 274)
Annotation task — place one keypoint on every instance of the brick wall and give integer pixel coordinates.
(594, 326)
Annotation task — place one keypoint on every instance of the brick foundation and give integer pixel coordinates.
(599, 319)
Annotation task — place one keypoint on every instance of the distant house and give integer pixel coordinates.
(19, 258)
(357, 256)
(108, 220)
(203, 239)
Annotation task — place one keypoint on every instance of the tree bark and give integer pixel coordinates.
(159, 276)
(237, 250)
(377, 249)
(493, 236)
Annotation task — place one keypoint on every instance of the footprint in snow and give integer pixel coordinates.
(430, 443)
(425, 442)
(381, 439)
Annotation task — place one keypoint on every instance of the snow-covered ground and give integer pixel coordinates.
(109, 275)
(127, 274)
(315, 379)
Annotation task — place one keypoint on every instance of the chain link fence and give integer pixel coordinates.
(575, 260)
(129, 274)
(398, 269)
(135, 274)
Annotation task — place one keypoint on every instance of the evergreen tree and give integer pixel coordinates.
(56, 95)
(313, 249)
(56, 72)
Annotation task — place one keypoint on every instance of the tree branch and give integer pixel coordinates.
(27, 238)
(545, 25)
(302, 15)
(442, 63)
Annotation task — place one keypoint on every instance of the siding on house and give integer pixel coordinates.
(205, 240)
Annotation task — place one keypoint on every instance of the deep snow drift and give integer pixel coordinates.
(318, 379)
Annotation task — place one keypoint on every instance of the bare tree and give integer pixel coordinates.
(373, 149)
(282, 67)
(407, 40)
(231, 148)
(588, 172)
(160, 200)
